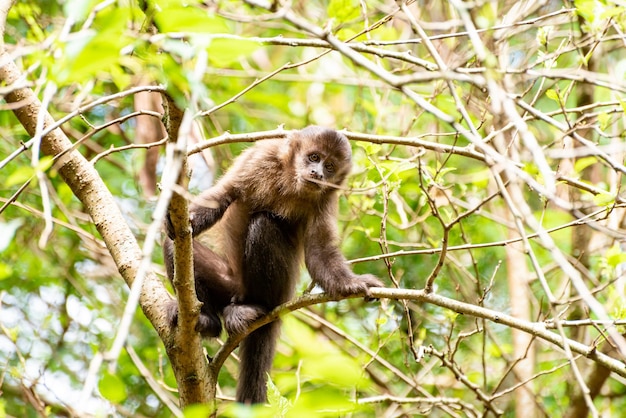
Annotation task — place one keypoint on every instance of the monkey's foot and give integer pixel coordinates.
(209, 326)
(237, 318)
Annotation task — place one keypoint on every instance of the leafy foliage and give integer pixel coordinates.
(488, 161)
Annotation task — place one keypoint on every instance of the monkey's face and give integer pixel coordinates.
(322, 159)
(318, 171)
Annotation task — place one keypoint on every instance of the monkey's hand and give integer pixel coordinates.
(370, 281)
(355, 285)
(209, 325)
(169, 226)
(237, 318)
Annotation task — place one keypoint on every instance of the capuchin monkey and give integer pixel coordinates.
(275, 206)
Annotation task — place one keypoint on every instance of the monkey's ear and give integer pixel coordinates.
(290, 147)
(284, 152)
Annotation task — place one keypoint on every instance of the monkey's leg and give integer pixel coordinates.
(270, 268)
(215, 287)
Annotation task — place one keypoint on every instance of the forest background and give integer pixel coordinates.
(488, 141)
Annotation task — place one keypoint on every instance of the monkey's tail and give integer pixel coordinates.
(257, 354)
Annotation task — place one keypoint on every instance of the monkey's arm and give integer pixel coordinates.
(207, 208)
(210, 205)
(328, 267)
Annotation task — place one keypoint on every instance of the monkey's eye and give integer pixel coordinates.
(314, 158)
(330, 167)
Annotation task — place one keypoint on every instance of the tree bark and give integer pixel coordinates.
(184, 351)
(89, 188)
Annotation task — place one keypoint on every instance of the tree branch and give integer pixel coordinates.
(537, 329)
(185, 348)
(87, 185)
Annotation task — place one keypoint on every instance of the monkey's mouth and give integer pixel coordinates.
(314, 183)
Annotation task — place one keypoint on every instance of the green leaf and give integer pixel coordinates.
(612, 12)
(197, 411)
(189, 19)
(495, 350)
(553, 95)
(604, 119)
(12, 333)
(586, 9)
(97, 56)
(98, 51)
(77, 10)
(112, 388)
(322, 362)
(542, 36)
(604, 199)
(343, 10)
(615, 256)
(368, 147)
(45, 163)
(5, 271)
(324, 401)
(583, 163)
(279, 404)
(19, 176)
(334, 368)
(223, 52)
(238, 410)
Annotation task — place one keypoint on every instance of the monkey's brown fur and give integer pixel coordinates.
(275, 205)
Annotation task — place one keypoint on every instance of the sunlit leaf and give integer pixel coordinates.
(95, 51)
(542, 36)
(5, 271)
(553, 95)
(586, 9)
(321, 361)
(238, 410)
(323, 402)
(343, 10)
(12, 333)
(604, 199)
(615, 256)
(333, 368)
(45, 163)
(98, 55)
(604, 119)
(583, 163)
(279, 404)
(223, 52)
(77, 10)
(369, 147)
(19, 176)
(197, 411)
(112, 388)
(189, 19)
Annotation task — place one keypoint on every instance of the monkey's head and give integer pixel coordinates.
(322, 158)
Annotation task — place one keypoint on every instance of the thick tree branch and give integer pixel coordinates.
(88, 187)
(534, 328)
(185, 348)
